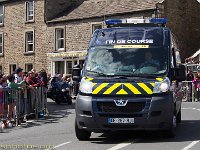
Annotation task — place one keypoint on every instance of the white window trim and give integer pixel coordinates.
(27, 11)
(3, 15)
(56, 39)
(95, 23)
(25, 41)
(2, 43)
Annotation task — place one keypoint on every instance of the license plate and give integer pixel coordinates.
(120, 120)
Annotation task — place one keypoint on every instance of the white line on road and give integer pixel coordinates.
(190, 145)
(192, 108)
(121, 145)
(60, 145)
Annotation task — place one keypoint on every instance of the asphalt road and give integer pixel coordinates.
(57, 131)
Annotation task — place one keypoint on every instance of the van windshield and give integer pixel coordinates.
(111, 61)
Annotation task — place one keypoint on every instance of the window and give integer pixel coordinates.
(60, 39)
(29, 11)
(59, 67)
(1, 14)
(96, 26)
(1, 69)
(1, 44)
(69, 67)
(28, 67)
(29, 41)
(12, 68)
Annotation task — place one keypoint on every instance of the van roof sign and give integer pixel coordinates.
(152, 36)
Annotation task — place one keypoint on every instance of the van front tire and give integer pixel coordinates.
(81, 134)
(171, 133)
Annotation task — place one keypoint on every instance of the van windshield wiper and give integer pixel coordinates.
(145, 75)
(98, 73)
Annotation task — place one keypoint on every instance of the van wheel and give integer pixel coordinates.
(171, 132)
(81, 134)
(179, 117)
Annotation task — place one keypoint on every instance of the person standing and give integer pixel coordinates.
(18, 78)
(18, 75)
(190, 78)
(196, 83)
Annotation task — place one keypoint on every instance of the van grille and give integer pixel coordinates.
(110, 107)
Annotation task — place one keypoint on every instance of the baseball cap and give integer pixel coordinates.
(18, 70)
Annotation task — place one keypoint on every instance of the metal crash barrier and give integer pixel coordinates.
(17, 105)
(188, 91)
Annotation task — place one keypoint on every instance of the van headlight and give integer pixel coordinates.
(85, 86)
(162, 86)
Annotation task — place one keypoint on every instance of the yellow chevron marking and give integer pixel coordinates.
(99, 88)
(159, 79)
(112, 88)
(153, 84)
(93, 84)
(147, 89)
(122, 91)
(132, 88)
(89, 79)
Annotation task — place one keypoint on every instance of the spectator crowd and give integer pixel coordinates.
(18, 81)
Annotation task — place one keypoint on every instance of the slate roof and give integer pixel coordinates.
(99, 8)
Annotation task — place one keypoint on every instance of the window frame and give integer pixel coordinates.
(26, 66)
(3, 15)
(96, 24)
(61, 38)
(12, 67)
(1, 68)
(2, 44)
(33, 42)
(27, 8)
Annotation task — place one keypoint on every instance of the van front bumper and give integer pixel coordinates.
(149, 113)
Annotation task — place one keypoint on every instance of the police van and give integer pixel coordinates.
(131, 79)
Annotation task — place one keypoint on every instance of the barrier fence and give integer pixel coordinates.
(17, 105)
(189, 92)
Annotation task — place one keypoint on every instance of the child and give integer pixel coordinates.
(11, 97)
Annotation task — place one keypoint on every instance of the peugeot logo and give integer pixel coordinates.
(120, 102)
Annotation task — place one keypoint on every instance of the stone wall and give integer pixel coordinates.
(14, 29)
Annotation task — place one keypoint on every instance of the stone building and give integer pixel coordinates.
(22, 35)
(23, 32)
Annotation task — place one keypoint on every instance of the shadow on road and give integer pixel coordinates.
(188, 130)
(56, 112)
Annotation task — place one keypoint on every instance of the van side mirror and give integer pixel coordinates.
(76, 73)
(180, 74)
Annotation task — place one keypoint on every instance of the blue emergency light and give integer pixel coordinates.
(158, 20)
(136, 21)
